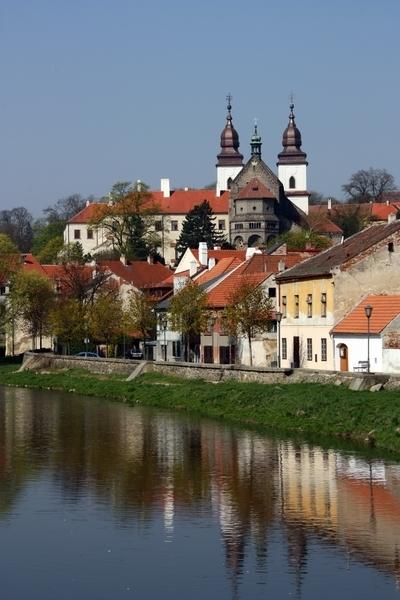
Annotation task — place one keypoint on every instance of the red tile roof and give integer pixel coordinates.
(384, 310)
(179, 202)
(218, 254)
(139, 273)
(221, 267)
(219, 296)
(255, 189)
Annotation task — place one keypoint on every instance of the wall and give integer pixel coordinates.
(358, 350)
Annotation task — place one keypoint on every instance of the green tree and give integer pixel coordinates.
(31, 300)
(248, 311)
(300, 239)
(67, 321)
(48, 255)
(199, 226)
(188, 313)
(128, 219)
(106, 317)
(140, 315)
(351, 218)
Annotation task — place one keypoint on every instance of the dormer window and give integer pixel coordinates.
(390, 247)
(292, 183)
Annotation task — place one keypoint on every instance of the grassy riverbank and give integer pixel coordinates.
(369, 418)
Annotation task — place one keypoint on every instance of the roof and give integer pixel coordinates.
(384, 310)
(320, 222)
(218, 254)
(222, 267)
(220, 294)
(139, 273)
(179, 202)
(255, 189)
(374, 210)
(336, 256)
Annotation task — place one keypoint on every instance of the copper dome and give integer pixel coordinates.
(229, 155)
(291, 142)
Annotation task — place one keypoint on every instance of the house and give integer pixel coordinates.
(357, 338)
(317, 293)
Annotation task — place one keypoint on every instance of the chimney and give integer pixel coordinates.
(203, 254)
(87, 202)
(186, 189)
(122, 258)
(192, 268)
(329, 203)
(211, 263)
(165, 187)
(387, 202)
(139, 185)
(281, 266)
(391, 217)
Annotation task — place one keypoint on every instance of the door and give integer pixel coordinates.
(344, 357)
(296, 352)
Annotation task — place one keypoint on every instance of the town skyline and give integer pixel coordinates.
(94, 95)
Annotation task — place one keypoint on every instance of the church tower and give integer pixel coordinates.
(292, 165)
(230, 161)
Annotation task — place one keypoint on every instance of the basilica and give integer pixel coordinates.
(252, 204)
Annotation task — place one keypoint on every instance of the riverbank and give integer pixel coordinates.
(311, 409)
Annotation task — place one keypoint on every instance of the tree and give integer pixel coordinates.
(248, 310)
(140, 315)
(17, 224)
(65, 208)
(351, 218)
(31, 299)
(300, 239)
(199, 226)
(106, 317)
(128, 219)
(68, 322)
(188, 313)
(49, 253)
(368, 185)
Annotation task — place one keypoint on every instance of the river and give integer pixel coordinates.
(101, 501)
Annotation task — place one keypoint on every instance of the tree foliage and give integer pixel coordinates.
(188, 312)
(199, 226)
(17, 224)
(31, 300)
(368, 185)
(140, 316)
(106, 317)
(248, 311)
(48, 255)
(128, 219)
(300, 239)
(351, 218)
(68, 322)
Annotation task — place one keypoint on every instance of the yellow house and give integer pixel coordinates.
(317, 293)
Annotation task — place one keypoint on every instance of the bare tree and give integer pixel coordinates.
(368, 185)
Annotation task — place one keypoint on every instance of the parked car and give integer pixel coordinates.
(134, 354)
(87, 355)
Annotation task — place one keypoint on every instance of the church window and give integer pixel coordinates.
(255, 225)
(229, 183)
(292, 183)
(254, 207)
(238, 225)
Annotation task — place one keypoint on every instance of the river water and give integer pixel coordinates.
(104, 501)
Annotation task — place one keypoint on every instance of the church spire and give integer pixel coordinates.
(229, 155)
(291, 142)
(255, 142)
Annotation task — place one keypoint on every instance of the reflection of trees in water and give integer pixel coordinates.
(141, 462)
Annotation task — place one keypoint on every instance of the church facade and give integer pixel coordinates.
(252, 205)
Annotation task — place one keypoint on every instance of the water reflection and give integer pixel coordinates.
(260, 492)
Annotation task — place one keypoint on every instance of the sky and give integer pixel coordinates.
(99, 91)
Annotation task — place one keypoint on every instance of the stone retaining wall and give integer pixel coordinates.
(214, 373)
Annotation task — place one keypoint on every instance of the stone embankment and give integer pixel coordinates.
(211, 372)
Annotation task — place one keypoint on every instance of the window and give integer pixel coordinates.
(391, 247)
(324, 349)
(174, 225)
(284, 307)
(158, 225)
(90, 234)
(2, 290)
(296, 306)
(323, 304)
(176, 349)
(284, 348)
(292, 183)
(272, 292)
(309, 348)
(77, 234)
(255, 225)
(221, 224)
(309, 305)
(238, 225)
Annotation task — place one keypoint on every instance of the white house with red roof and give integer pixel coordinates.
(358, 338)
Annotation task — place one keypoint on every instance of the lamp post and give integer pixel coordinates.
(163, 326)
(278, 316)
(368, 312)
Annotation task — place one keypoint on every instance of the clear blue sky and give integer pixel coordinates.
(95, 91)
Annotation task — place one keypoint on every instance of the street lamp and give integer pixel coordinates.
(368, 312)
(278, 316)
(163, 326)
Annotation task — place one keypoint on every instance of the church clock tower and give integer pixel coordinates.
(292, 165)
(230, 161)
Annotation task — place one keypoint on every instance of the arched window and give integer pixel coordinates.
(292, 183)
